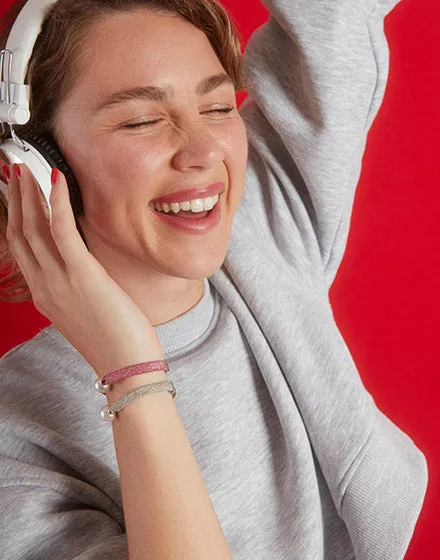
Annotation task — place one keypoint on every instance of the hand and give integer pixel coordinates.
(68, 285)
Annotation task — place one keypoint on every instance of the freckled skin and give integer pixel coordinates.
(121, 170)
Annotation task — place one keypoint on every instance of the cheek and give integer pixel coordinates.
(103, 168)
(236, 146)
(236, 142)
(90, 164)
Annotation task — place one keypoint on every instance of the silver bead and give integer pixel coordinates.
(173, 389)
(106, 415)
(101, 387)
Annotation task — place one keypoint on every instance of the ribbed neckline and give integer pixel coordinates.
(176, 335)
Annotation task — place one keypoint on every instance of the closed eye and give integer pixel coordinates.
(149, 123)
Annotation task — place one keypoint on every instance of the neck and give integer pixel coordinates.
(161, 297)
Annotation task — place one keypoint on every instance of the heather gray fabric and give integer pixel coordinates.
(298, 460)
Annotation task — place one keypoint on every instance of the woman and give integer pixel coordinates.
(272, 448)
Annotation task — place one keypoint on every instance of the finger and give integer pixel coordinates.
(3, 179)
(19, 247)
(36, 229)
(2, 164)
(32, 200)
(63, 226)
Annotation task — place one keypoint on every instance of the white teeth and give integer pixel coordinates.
(197, 205)
(209, 203)
(185, 205)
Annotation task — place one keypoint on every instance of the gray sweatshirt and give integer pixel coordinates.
(299, 462)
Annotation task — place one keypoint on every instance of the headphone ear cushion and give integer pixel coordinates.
(46, 145)
(48, 148)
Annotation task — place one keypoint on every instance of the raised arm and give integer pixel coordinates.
(317, 73)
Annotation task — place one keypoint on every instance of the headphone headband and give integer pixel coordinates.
(19, 47)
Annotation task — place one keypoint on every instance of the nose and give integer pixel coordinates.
(198, 149)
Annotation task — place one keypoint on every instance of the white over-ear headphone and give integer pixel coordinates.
(39, 152)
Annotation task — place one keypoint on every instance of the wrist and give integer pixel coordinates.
(111, 364)
(121, 388)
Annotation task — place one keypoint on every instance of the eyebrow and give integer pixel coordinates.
(155, 93)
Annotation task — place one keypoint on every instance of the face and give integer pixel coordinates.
(129, 152)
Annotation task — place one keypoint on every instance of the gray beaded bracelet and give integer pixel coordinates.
(108, 413)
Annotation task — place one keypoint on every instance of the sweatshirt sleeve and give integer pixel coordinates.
(316, 74)
(59, 496)
(50, 514)
(381, 501)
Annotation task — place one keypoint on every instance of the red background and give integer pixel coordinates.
(386, 295)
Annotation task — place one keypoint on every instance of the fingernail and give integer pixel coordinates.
(17, 171)
(6, 173)
(54, 176)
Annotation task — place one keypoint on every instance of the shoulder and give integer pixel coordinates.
(37, 370)
(47, 339)
(47, 348)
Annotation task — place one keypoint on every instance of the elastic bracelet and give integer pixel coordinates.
(108, 413)
(102, 385)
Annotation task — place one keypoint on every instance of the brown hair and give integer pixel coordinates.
(52, 69)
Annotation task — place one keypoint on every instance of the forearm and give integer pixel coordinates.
(167, 508)
(317, 73)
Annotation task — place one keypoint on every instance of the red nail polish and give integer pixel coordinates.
(6, 173)
(17, 171)
(54, 176)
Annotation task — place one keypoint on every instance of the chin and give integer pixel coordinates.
(195, 267)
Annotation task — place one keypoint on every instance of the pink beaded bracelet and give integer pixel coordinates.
(102, 385)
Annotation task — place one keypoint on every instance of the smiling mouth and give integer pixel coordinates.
(193, 210)
(190, 222)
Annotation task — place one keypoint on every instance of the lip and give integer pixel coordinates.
(191, 194)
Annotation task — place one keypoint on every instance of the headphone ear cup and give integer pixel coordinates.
(47, 147)
(49, 150)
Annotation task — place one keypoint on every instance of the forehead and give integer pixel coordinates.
(142, 47)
